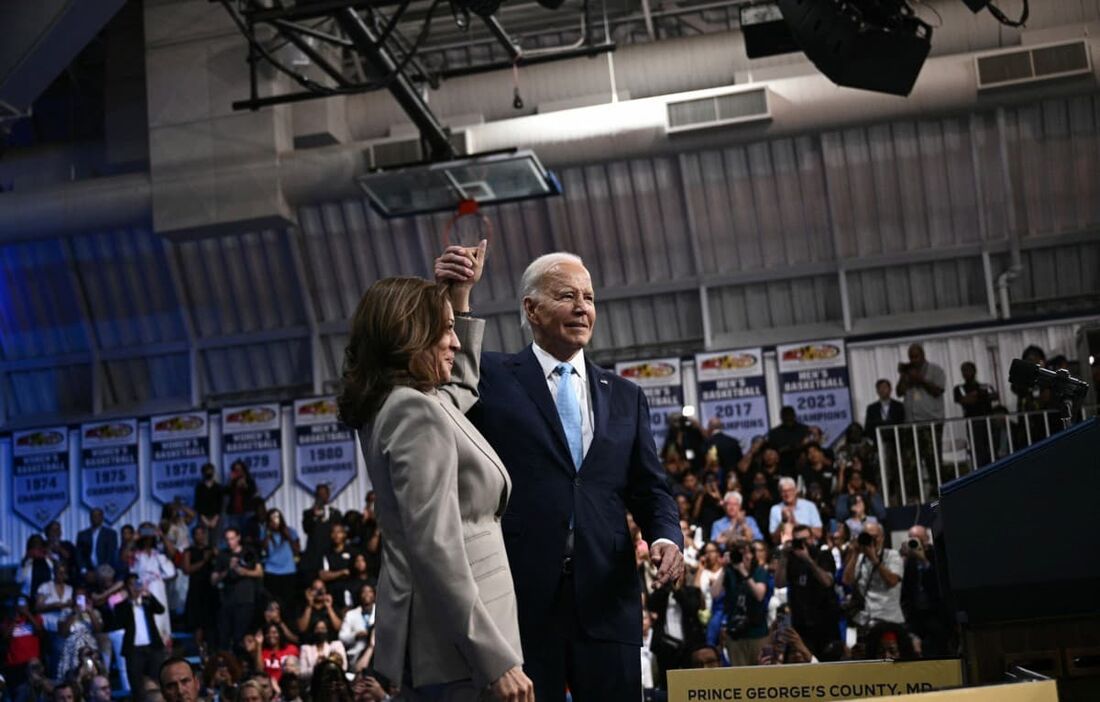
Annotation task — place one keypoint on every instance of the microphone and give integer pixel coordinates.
(1061, 382)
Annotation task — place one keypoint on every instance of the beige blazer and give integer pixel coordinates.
(445, 593)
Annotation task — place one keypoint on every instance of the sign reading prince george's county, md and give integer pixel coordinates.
(812, 682)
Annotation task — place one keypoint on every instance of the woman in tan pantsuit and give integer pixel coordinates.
(446, 624)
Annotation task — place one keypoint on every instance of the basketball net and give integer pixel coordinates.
(467, 227)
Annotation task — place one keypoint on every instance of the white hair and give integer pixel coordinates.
(530, 283)
(787, 482)
(732, 496)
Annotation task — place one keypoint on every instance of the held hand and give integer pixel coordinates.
(669, 562)
(513, 686)
(461, 266)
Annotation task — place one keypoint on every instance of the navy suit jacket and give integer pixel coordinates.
(621, 472)
(106, 547)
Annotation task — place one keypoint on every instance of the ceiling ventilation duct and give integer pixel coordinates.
(1033, 64)
(723, 109)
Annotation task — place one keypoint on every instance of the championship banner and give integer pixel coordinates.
(325, 448)
(660, 380)
(813, 682)
(813, 378)
(732, 388)
(180, 447)
(253, 434)
(109, 466)
(40, 474)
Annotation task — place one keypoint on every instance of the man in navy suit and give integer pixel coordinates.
(576, 441)
(883, 412)
(96, 545)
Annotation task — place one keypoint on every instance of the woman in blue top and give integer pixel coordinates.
(281, 551)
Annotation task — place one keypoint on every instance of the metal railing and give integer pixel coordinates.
(916, 458)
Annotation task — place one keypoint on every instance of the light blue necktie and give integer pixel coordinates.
(569, 410)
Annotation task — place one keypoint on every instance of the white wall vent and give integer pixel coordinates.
(397, 151)
(738, 107)
(1033, 64)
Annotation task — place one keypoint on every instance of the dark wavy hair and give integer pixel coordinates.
(393, 332)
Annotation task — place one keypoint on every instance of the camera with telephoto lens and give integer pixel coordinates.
(798, 544)
(864, 539)
(914, 545)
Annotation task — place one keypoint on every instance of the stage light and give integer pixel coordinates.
(875, 45)
(765, 31)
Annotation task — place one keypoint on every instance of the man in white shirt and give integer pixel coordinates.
(876, 572)
(355, 631)
(142, 646)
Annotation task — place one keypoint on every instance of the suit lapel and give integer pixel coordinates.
(599, 389)
(529, 374)
(475, 436)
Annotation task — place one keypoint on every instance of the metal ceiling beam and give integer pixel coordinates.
(400, 86)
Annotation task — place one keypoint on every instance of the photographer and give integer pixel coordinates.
(806, 570)
(874, 572)
(921, 384)
(744, 585)
(677, 628)
(977, 400)
(926, 614)
(319, 607)
(239, 574)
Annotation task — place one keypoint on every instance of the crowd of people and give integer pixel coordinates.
(259, 606)
(788, 557)
(787, 561)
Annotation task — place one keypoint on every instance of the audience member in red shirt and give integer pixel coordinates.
(21, 630)
(274, 652)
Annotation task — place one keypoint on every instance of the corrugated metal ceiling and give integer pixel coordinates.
(765, 227)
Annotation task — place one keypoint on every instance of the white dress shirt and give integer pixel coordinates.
(579, 378)
(141, 626)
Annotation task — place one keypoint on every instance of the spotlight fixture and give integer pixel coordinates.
(877, 45)
(765, 31)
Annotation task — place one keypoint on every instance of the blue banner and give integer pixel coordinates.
(253, 434)
(109, 466)
(814, 380)
(180, 446)
(40, 474)
(732, 389)
(324, 448)
(660, 380)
